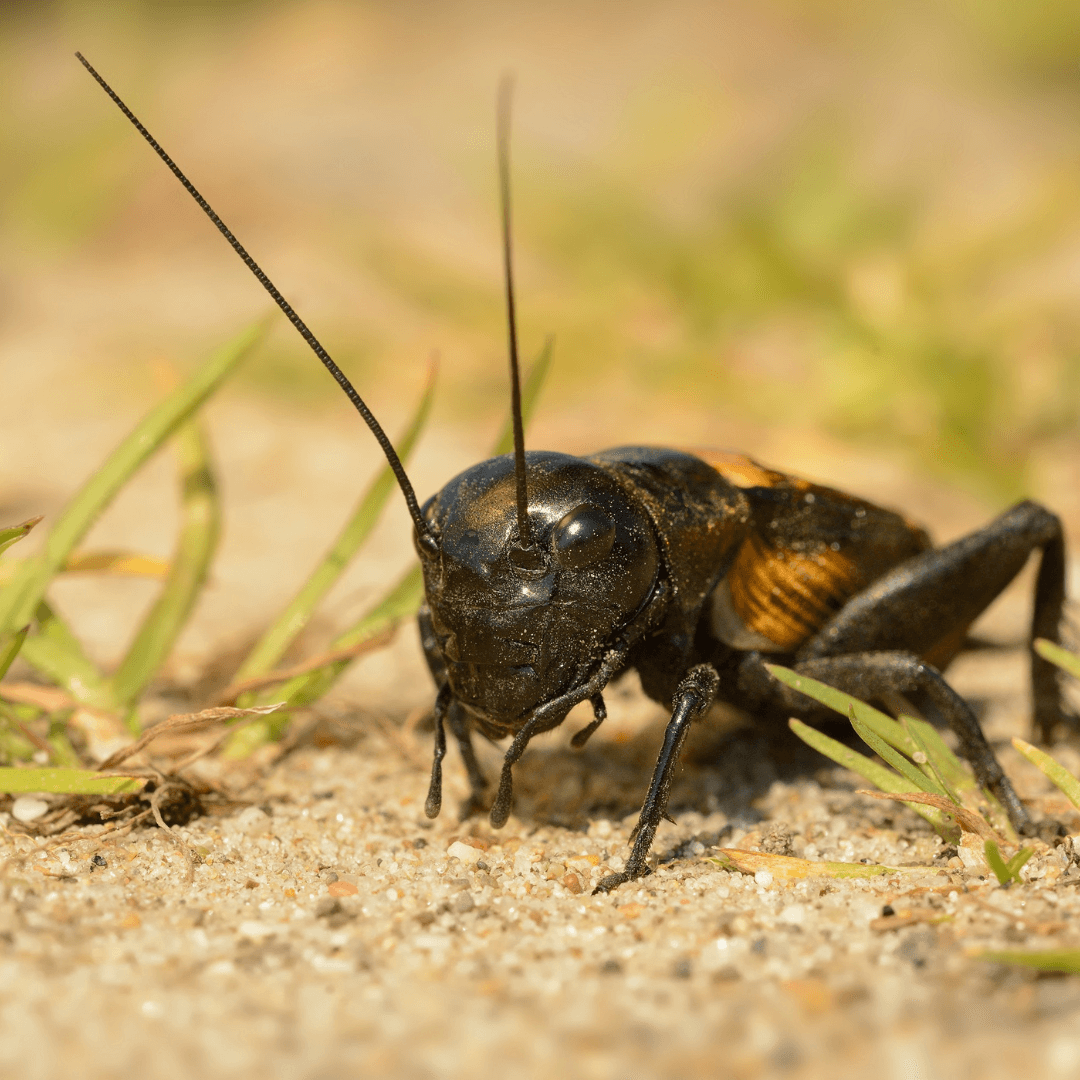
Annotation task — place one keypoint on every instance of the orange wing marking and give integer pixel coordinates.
(785, 596)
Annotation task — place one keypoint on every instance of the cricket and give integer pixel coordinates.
(548, 576)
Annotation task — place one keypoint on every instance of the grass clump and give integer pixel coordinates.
(942, 788)
(37, 752)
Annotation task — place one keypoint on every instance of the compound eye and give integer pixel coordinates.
(583, 537)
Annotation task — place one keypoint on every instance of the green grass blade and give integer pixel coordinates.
(885, 727)
(10, 644)
(926, 759)
(1056, 773)
(897, 760)
(399, 603)
(878, 775)
(15, 781)
(14, 745)
(21, 596)
(1064, 960)
(15, 533)
(1064, 659)
(997, 863)
(200, 530)
(55, 652)
(63, 753)
(272, 645)
(1016, 863)
(950, 768)
(958, 778)
(530, 392)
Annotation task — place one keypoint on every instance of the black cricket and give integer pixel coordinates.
(548, 576)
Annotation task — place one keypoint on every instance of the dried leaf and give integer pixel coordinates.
(968, 820)
(184, 721)
(786, 868)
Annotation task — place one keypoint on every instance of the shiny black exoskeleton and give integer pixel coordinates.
(657, 560)
(548, 576)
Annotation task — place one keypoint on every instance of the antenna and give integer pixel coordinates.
(426, 537)
(524, 554)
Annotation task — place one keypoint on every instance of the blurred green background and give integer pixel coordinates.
(858, 223)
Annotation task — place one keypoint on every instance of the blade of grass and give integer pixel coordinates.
(1006, 871)
(877, 774)
(1056, 773)
(121, 563)
(14, 745)
(1064, 960)
(16, 781)
(959, 779)
(1064, 659)
(14, 533)
(997, 863)
(399, 603)
(530, 392)
(900, 763)
(63, 753)
(10, 644)
(928, 761)
(55, 652)
(182, 722)
(885, 727)
(272, 645)
(20, 598)
(952, 771)
(199, 533)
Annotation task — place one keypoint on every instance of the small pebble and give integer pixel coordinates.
(342, 888)
(464, 853)
(26, 808)
(462, 903)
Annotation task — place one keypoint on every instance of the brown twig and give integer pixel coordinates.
(48, 698)
(183, 721)
(211, 746)
(257, 682)
(968, 820)
(193, 857)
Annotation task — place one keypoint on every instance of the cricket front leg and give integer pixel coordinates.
(693, 696)
(462, 731)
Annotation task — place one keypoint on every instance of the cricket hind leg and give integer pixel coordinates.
(925, 605)
(876, 676)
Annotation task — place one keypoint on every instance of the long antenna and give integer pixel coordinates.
(423, 531)
(524, 544)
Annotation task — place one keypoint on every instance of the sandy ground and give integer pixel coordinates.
(328, 929)
(313, 923)
(324, 927)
